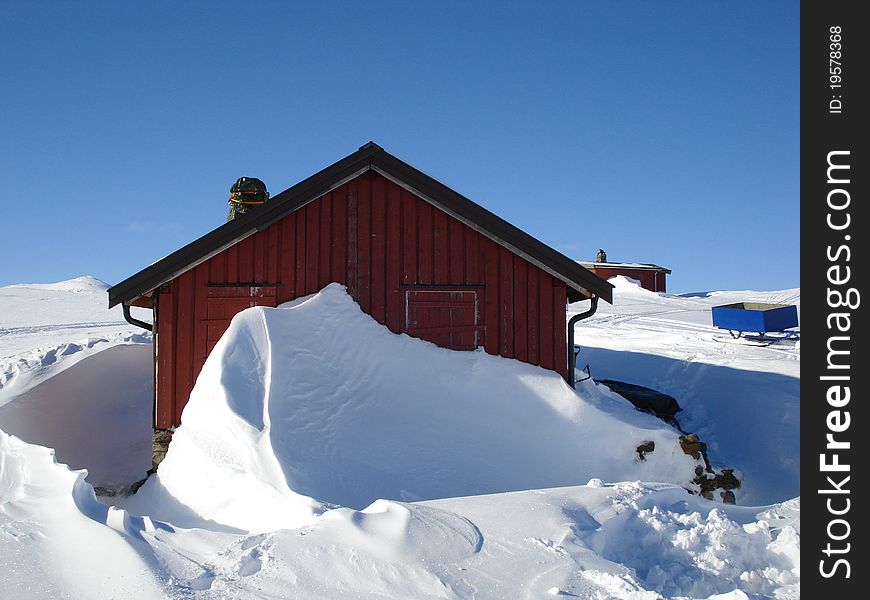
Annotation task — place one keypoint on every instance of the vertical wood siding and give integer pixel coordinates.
(385, 245)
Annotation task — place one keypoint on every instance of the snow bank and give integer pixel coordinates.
(95, 412)
(565, 542)
(634, 541)
(53, 535)
(317, 400)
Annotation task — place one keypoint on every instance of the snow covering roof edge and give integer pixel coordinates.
(582, 282)
(589, 264)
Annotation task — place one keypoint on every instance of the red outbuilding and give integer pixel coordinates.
(417, 256)
(650, 276)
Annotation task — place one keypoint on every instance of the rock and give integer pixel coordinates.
(645, 399)
(726, 480)
(645, 448)
(692, 445)
(159, 446)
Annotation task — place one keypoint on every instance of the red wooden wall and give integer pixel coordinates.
(649, 279)
(408, 264)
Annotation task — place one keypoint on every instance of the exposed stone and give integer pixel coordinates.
(645, 399)
(159, 447)
(728, 497)
(645, 448)
(135, 487)
(726, 480)
(694, 447)
(691, 445)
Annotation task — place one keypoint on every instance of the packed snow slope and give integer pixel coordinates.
(743, 399)
(285, 408)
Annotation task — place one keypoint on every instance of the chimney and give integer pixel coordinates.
(245, 195)
(601, 257)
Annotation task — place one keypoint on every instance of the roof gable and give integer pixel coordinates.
(580, 281)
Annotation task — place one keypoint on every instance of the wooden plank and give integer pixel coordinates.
(301, 215)
(545, 302)
(442, 330)
(339, 235)
(165, 376)
(232, 263)
(217, 268)
(465, 304)
(479, 337)
(491, 312)
(273, 252)
(226, 308)
(241, 291)
(200, 296)
(520, 332)
(215, 328)
(184, 343)
(533, 311)
(379, 250)
(442, 250)
(228, 291)
(364, 244)
(393, 249)
(246, 259)
(352, 239)
(325, 239)
(259, 243)
(288, 258)
(425, 245)
(312, 246)
(409, 234)
(560, 342)
(506, 306)
(456, 242)
(471, 256)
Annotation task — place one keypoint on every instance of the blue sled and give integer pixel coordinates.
(754, 317)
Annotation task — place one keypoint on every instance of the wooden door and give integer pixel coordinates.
(450, 318)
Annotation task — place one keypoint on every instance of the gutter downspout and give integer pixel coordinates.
(572, 357)
(133, 321)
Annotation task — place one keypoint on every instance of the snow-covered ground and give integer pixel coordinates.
(742, 399)
(323, 457)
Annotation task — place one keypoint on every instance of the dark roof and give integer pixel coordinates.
(615, 265)
(581, 282)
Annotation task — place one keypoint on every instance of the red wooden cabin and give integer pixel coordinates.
(417, 256)
(651, 277)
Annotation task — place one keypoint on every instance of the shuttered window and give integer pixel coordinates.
(447, 317)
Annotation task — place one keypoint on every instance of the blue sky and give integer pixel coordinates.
(663, 132)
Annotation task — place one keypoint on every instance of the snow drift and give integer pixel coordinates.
(95, 414)
(53, 533)
(316, 400)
